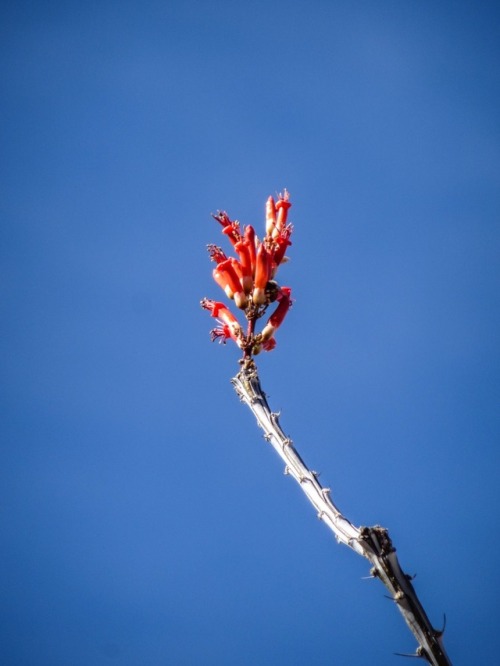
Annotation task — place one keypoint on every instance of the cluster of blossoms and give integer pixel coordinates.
(249, 280)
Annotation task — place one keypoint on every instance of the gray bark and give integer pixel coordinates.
(373, 543)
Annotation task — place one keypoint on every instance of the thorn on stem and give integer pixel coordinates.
(417, 655)
(440, 632)
(373, 574)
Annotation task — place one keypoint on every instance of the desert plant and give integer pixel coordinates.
(249, 281)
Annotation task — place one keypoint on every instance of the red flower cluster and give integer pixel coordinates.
(249, 279)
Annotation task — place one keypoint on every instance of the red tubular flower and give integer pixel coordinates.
(276, 319)
(282, 241)
(245, 280)
(243, 250)
(262, 274)
(230, 325)
(250, 237)
(230, 228)
(282, 207)
(270, 216)
(227, 278)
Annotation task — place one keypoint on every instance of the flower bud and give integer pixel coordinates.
(270, 216)
(262, 271)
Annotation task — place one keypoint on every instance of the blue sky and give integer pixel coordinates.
(144, 519)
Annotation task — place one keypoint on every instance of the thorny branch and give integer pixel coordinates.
(373, 543)
(249, 281)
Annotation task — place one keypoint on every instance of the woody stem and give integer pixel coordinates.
(373, 543)
(247, 352)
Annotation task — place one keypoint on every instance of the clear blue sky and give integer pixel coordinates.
(144, 520)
